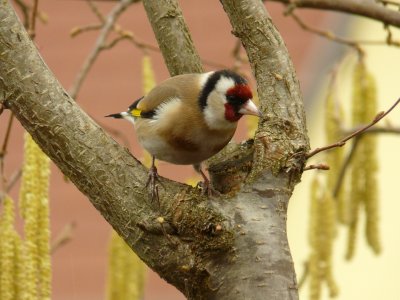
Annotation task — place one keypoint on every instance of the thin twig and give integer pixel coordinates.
(114, 42)
(63, 237)
(343, 141)
(236, 49)
(3, 150)
(320, 166)
(130, 36)
(10, 184)
(25, 11)
(348, 42)
(123, 33)
(368, 9)
(350, 155)
(78, 30)
(345, 165)
(389, 37)
(388, 2)
(32, 25)
(375, 130)
(326, 34)
(96, 11)
(133, 39)
(304, 276)
(100, 42)
(13, 180)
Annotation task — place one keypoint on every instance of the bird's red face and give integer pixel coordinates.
(239, 103)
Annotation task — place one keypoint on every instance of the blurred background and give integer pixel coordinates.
(115, 81)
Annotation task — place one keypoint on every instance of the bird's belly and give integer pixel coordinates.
(185, 155)
(179, 148)
(162, 150)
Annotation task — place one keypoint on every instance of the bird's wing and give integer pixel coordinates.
(134, 104)
(181, 87)
(156, 97)
(145, 107)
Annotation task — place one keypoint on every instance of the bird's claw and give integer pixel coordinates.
(151, 183)
(207, 189)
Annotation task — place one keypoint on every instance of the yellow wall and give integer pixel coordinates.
(367, 276)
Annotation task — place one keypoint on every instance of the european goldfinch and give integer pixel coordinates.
(188, 118)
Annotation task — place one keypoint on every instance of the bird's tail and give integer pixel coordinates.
(116, 116)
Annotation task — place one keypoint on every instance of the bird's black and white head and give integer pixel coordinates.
(225, 97)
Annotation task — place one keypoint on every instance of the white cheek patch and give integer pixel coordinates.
(214, 112)
(215, 118)
(204, 77)
(224, 84)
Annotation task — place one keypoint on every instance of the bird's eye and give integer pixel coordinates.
(234, 100)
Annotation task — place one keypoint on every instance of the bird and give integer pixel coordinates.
(188, 118)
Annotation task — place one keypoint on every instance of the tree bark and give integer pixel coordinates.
(233, 247)
(281, 139)
(369, 9)
(173, 36)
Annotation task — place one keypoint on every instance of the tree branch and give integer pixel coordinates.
(368, 9)
(173, 36)
(63, 237)
(320, 166)
(111, 177)
(345, 166)
(99, 45)
(281, 140)
(346, 163)
(279, 149)
(345, 41)
(376, 129)
(358, 132)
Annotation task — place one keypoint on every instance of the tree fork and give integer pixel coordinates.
(283, 129)
(230, 248)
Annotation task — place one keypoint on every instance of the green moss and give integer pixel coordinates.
(203, 225)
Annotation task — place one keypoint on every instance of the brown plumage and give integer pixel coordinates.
(188, 118)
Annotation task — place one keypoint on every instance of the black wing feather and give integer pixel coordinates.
(134, 104)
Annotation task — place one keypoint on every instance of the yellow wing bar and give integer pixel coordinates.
(136, 112)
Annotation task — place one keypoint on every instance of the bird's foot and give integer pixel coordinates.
(207, 188)
(151, 183)
(205, 185)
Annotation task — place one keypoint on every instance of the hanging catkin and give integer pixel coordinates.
(363, 183)
(34, 209)
(19, 268)
(126, 271)
(322, 233)
(7, 251)
(333, 132)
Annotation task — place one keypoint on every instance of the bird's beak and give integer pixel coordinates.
(249, 108)
(116, 116)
